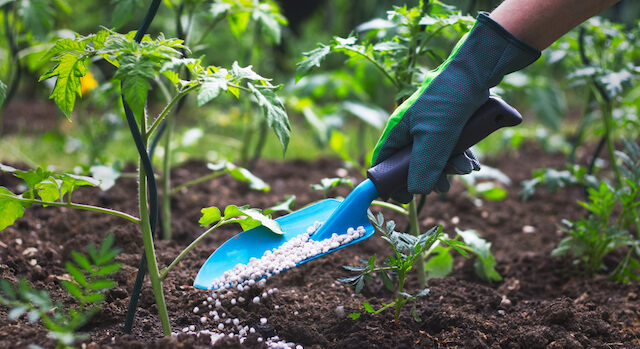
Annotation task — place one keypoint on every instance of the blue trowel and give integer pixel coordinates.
(383, 180)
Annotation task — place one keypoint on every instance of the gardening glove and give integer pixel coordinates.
(433, 117)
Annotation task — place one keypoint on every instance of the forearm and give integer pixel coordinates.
(541, 22)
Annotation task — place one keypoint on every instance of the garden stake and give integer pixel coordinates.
(384, 179)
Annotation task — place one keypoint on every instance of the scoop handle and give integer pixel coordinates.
(391, 175)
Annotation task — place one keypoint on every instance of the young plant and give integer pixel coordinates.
(554, 179)
(488, 183)
(605, 230)
(407, 250)
(88, 281)
(326, 184)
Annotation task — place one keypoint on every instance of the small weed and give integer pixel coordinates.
(89, 280)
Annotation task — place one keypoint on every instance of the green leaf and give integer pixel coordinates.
(329, 183)
(274, 112)
(359, 285)
(211, 87)
(256, 218)
(82, 261)
(108, 269)
(101, 285)
(76, 273)
(354, 316)
(255, 183)
(414, 313)
(69, 69)
(94, 297)
(73, 290)
(210, 215)
(123, 11)
(11, 209)
(485, 263)
(368, 307)
(386, 281)
(247, 72)
(312, 59)
(135, 88)
(106, 244)
(268, 18)
(491, 191)
(439, 265)
(286, 205)
(7, 289)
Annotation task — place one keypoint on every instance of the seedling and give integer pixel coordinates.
(89, 279)
(592, 238)
(326, 184)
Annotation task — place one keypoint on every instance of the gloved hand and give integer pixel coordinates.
(433, 116)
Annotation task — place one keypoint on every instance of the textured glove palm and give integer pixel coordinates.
(433, 116)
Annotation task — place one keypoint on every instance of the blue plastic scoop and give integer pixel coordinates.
(383, 180)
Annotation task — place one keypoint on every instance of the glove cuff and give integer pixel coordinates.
(504, 52)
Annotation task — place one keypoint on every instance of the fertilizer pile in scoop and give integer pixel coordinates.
(288, 255)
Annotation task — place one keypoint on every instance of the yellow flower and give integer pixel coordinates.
(87, 83)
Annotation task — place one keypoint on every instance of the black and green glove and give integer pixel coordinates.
(433, 116)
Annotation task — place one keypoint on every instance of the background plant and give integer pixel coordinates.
(89, 279)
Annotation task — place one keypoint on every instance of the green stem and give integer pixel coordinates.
(166, 270)
(415, 229)
(167, 109)
(166, 180)
(196, 181)
(377, 65)
(75, 206)
(390, 206)
(150, 252)
(399, 301)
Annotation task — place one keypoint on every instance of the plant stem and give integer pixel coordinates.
(75, 206)
(390, 206)
(167, 109)
(399, 301)
(195, 181)
(415, 229)
(166, 180)
(166, 270)
(150, 252)
(395, 82)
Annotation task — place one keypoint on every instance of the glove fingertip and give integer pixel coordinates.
(442, 185)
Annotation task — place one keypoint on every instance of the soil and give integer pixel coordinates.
(542, 302)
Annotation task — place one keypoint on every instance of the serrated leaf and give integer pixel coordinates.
(247, 72)
(255, 183)
(82, 261)
(313, 59)
(73, 290)
(11, 209)
(368, 307)
(68, 71)
(274, 111)
(253, 214)
(286, 205)
(269, 21)
(211, 87)
(106, 244)
(209, 216)
(135, 90)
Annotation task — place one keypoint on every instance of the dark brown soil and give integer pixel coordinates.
(542, 302)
